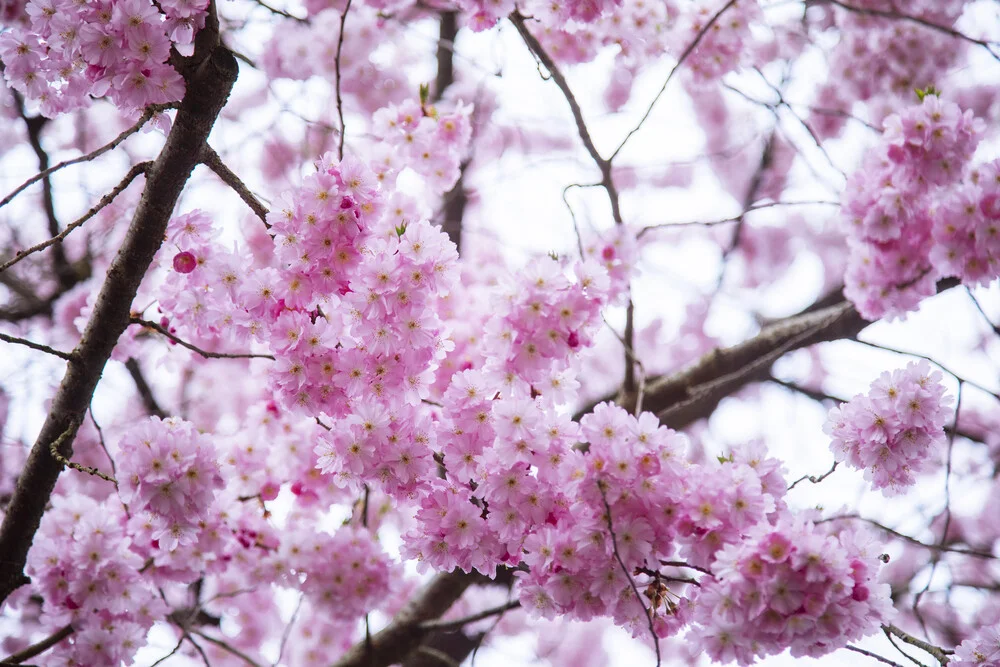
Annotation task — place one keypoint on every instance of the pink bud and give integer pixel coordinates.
(184, 262)
(573, 340)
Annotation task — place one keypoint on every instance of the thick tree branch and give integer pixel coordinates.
(209, 75)
(405, 633)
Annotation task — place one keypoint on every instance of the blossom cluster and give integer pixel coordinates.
(790, 585)
(617, 250)
(980, 650)
(881, 60)
(900, 234)
(169, 472)
(636, 497)
(428, 140)
(346, 574)
(540, 319)
(119, 48)
(723, 45)
(895, 429)
(299, 50)
(81, 565)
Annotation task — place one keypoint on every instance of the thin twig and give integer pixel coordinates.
(680, 61)
(180, 642)
(206, 355)
(225, 647)
(918, 355)
(114, 143)
(288, 629)
(581, 126)
(735, 218)
(628, 575)
(137, 169)
(336, 65)
(448, 626)
(899, 648)
(68, 356)
(912, 540)
(198, 648)
(281, 12)
(100, 438)
(876, 656)
(982, 312)
(58, 456)
(212, 160)
(813, 478)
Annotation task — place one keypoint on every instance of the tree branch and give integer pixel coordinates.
(38, 647)
(581, 126)
(150, 111)
(145, 391)
(881, 13)
(405, 633)
(212, 160)
(209, 76)
(36, 346)
(472, 618)
(197, 350)
(136, 169)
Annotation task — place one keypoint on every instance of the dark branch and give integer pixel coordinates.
(39, 647)
(145, 391)
(197, 350)
(137, 169)
(212, 160)
(209, 76)
(36, 346)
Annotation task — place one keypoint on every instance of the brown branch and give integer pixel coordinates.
(628, 575)
(137, 169)
(209, 76)
(336, 65)
(114, 143)
(472, 618)
(680, 61)
(404, 634)
(939, 654)
(197, 350)
(38, 647)
(145, 391)
(212, 160)
(36, 346)
(456, 199)
(581, 126)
